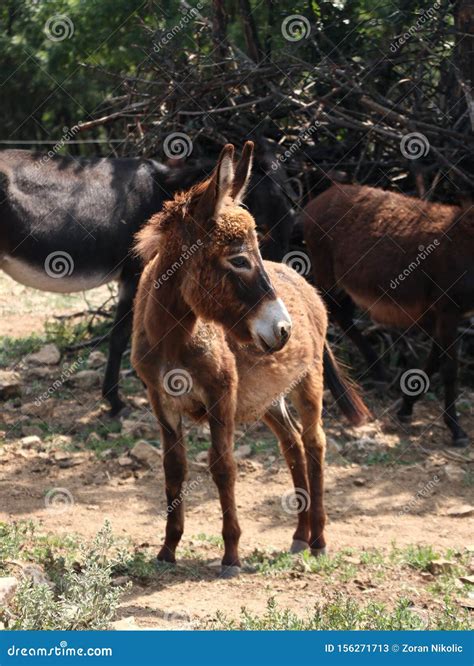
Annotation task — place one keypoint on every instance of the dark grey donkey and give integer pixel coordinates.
(68, 224)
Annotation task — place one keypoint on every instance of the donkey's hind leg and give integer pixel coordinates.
(119, 337)
(308, 399)
(341, 308)
(288, 434)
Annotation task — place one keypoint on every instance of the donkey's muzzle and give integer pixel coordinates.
(271, 327)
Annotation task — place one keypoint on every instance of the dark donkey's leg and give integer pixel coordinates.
(341, 307)
(279, 420)
(408, 401)
(308, 402)
(447, 333)
(119, 337)
(223, 469)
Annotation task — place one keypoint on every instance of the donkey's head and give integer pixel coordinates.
(225, 280)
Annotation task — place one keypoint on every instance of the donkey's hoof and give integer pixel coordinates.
(317, 552)
(299, 546)
(404, 418)
(461, 441)
(229, 571)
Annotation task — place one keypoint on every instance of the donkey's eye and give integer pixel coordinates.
(240, 262)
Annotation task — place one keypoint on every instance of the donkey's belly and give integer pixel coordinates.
(57, 275)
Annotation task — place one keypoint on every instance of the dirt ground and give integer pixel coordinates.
(386, 484)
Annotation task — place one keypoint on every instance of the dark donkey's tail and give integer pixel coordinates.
(345, 392)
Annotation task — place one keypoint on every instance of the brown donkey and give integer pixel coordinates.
(213, 340)
(409, 263)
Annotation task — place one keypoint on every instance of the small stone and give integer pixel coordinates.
(31, 431)
(8, 585)
(359, 481)
(47, 355)
(243, 451)
(125, 461)
(120, 581)
(40, 372)
(454, 472)
(86, 379)
(462, 511)
(125, 624)
(440, 566)
(96, 360)
(30, 442)
(38, 408)
(469, 580)
(147, 454)
(133, 428)
(10, 385)
(202, 457)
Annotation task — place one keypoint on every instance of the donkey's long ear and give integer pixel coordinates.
(219, 185)
(242, 172)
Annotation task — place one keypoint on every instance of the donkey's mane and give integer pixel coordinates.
(233, 222)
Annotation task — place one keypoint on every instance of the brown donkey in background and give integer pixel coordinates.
(408, 262)
(213, 340)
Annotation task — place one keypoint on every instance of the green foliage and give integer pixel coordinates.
(81, 596)
(344, 614)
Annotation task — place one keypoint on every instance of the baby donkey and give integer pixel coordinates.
(212, 339)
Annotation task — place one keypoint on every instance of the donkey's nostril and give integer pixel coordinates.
(284, 328)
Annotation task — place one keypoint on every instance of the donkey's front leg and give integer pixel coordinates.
(223, 469)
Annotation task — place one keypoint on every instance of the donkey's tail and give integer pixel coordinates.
(344, 391)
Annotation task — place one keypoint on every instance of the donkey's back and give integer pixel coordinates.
(371, 242)
(84, 211)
